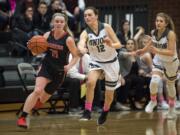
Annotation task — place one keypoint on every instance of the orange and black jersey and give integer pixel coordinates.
(57, 57)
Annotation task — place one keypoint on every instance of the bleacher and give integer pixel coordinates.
(10, 89)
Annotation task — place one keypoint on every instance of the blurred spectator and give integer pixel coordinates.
(124, 33)
(23, 30)
(76, 9)
(134, 83)
(21, 5)
(5, 14)
(25, 22)
(59, 6)
(54, 7)
(40, 18)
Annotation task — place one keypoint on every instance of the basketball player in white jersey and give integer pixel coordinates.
(165, 62)
(101, 42)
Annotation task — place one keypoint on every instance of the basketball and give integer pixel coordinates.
(37, 45)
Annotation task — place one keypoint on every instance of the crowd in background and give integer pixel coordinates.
(26, 18)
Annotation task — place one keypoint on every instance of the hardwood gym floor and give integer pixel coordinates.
(118, 123)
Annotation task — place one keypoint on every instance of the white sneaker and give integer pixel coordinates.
(171, 114)
(163, 106)
(150, 106)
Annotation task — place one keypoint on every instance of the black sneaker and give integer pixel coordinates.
(102, 118)
(86, 115)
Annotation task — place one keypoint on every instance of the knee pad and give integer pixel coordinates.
(171, 89)
(154, 84)
(160, 87)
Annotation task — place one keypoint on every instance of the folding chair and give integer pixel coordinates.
(27, 75)
(61, 94)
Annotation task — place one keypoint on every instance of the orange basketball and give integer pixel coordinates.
(37, 45)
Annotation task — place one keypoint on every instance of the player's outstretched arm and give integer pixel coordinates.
(74, 51)
(82, 42)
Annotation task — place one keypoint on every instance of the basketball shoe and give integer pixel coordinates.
(86, 115)
(150, 106)
(23, 122)
(102, 118)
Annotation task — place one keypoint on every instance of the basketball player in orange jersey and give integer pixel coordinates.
(102, 43)
(165, 62)
(54, 65)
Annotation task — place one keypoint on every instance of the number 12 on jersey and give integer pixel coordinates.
(100, 48)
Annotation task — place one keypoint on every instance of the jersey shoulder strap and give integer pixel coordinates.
(100, 27)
